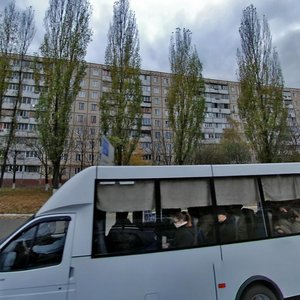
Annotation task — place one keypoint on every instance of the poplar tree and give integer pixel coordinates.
(63, 67)
(120, 106)
(8, 32)
(185, 98)
(261, 105)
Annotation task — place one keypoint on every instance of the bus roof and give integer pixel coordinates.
(190, 171)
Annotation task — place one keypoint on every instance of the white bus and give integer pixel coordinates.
(108, 234)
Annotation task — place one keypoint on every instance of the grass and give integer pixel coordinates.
(22, 200)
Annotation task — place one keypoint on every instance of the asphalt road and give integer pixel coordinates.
(9, 223)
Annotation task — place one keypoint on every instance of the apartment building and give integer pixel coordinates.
(221, 104)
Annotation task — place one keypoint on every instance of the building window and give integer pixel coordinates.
(145, 145)
(147, 99)
(157, 123)
(13, 86)
(82, 94)
(25, 100)
(94, 95)
(105, 72)
(31, 154)
(146, 110)
(146, 89)
(95, 83)
(28, 88)
(81, 105)
(24, 114)
(166, 80)
(27, 75)
(83, 83)
(93, 119)
(93, 106)
(95, 72)
(22, 127)
(146, 122)
(157, 111)
(93, 131)
(168, 134)
(32, 127)
(156, 90)
(32, 169)
(157, 101)
(79, 118)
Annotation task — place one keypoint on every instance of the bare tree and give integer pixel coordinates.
(63, 50)
(35, 145)
(23, 36)
(162, 146)
(261, 105)
(85, 146)
(186, 96)
(121, 113)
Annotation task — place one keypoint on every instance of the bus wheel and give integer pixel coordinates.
(258, 292)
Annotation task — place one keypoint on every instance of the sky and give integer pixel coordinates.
(214, 25)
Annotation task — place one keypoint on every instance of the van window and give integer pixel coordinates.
(39, 246)
(239, 210)
(138, 216)
(282, 195)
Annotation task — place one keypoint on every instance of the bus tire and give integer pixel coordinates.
(259, 292)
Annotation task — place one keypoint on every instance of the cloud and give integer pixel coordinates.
(214, 24)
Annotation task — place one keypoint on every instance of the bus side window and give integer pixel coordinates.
(122, 233)
(284, 218)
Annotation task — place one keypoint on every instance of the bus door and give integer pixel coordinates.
(35, 263)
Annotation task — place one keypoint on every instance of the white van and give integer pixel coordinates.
(108, 234)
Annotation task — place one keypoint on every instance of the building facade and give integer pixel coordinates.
(156, 136)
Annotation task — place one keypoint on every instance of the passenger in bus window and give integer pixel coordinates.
(199, 237)
(126, 237)
(188, 219)
(207, 225)
(286, 220)
(227, 227)
(184, 236)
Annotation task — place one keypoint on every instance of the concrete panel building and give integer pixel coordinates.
(221, 105)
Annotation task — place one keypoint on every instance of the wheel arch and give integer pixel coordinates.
(254, 280)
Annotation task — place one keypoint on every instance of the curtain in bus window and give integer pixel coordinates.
(231, 191)
(277, 188)
(125, 196)
(184, 193)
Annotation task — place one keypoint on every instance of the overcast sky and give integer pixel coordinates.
(214, 24)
